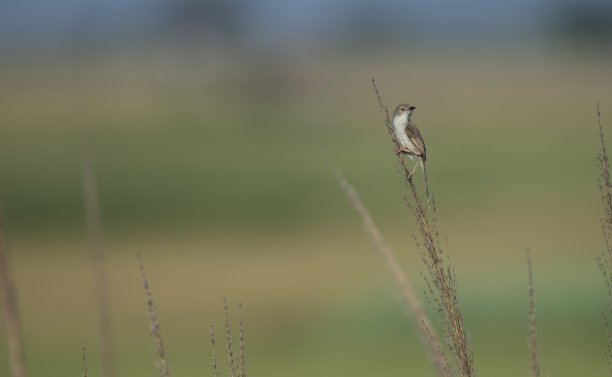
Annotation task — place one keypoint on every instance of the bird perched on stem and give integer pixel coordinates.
(410, 140)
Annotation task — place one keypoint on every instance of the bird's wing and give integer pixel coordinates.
(415, 137)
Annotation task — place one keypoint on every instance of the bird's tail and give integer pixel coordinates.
(425, 183)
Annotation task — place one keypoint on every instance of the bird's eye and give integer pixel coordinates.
(402, 109)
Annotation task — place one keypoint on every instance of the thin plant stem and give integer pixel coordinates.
(441, 281)
(95, 232)
(83, 360)
(534, 360)
(604, 261)
(11, 311)
(411, 303)
(228, 342)
(213, 357)
(97, 255)
(241, 371)
(161, 363)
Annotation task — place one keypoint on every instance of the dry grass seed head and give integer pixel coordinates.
(441, 277)
(159, 353)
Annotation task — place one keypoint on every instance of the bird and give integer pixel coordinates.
(410, 140)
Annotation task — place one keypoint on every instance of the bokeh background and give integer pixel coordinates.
(207, 120)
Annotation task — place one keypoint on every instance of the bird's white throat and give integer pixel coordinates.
(403, 118)
(399, 127)
(400, 121)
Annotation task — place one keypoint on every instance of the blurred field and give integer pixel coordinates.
(214, 173)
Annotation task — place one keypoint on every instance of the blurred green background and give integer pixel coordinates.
(207, 121)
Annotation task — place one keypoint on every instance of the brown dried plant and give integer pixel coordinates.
(235, 362)
(213, 357)
(95, 232)
(95, 235)
(11, 312)
(409, 298)
(534, 360)
(83, 360)
(604, 261)
(440, 277)
(604, 184)
(241, 345)
(605, 189)
(229, 346)
(159, 352)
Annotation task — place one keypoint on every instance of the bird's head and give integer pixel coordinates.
(403, 112)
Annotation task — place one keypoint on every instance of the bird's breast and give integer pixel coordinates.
(403, 139)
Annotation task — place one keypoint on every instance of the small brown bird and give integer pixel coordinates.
(410, 140)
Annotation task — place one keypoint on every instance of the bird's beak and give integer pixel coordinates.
(412, 107)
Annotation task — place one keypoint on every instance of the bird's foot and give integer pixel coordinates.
(401, 150)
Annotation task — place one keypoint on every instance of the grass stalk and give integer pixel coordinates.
(604, 261)
(95, 236)
(91, 203)
(441, 278)
(159, 352)
(229, 347)
(534, 360)
(83, 360)
(241, 364)
(605, 186)
(411, 303)
(235, 360)
(213, 357)
(11, 311)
